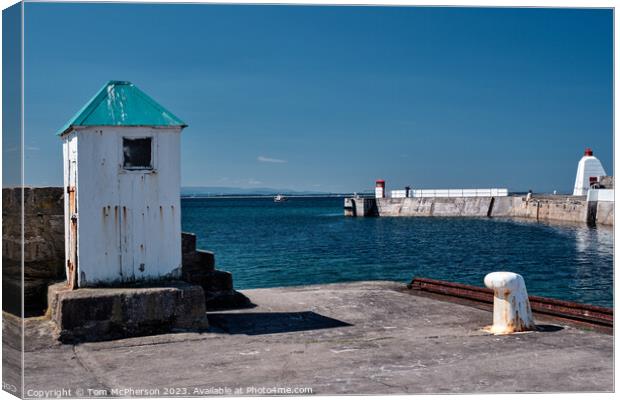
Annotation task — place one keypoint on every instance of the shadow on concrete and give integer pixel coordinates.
(227, 301)
(266, 323)
(230, 307)
(548, 328)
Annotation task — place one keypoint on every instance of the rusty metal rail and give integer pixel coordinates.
(586, 313)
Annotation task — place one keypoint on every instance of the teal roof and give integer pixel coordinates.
(121, 103)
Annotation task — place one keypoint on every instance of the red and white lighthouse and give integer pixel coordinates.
(589, 171)
(380, 188)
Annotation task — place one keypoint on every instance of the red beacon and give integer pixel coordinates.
(380, 188)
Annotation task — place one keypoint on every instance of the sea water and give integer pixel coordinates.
(307, 241)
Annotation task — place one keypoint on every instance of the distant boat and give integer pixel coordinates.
(279, 198)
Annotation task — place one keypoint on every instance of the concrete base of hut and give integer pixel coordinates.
(112, 313)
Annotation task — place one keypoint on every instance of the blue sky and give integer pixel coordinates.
(332, 98)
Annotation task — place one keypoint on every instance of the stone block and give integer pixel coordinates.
(217, 286)
(197, 265)
(112, 313)
(188, 243)
(210, 281)
(217, 281)
(205, 258)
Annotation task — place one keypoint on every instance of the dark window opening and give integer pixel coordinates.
(137, 153)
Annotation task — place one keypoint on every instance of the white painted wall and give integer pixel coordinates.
(601, 195)
(589, 166)
(129, 225)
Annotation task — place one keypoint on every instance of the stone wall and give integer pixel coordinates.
(435, 206)
(561, 208)
(44, 248)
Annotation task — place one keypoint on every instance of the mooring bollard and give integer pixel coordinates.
(511, 306)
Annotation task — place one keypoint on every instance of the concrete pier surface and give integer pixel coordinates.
(354, 338)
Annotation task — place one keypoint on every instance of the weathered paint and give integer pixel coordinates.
(511, 306)
(70, 150)
(129, 221)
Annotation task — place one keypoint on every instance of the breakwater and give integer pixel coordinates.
(540, 208)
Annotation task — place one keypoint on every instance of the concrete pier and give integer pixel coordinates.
(540, 208)
(353, 338)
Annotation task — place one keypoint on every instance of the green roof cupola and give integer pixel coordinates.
(121, 103)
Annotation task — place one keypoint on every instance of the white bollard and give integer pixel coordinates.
(511, 306)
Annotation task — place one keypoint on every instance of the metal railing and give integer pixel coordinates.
(495, 192)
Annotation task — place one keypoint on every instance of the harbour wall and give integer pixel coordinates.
(43, 246)
(540, 208)
(434, 206)
(564, 208)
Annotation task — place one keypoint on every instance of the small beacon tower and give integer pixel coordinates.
(121, 161)
(379, 188)
(589, 170)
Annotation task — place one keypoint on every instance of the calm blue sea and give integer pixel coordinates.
(309, 241)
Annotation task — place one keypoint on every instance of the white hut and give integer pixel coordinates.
(589, 171)
(121, 158)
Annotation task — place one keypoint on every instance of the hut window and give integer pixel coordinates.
(137, 153)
